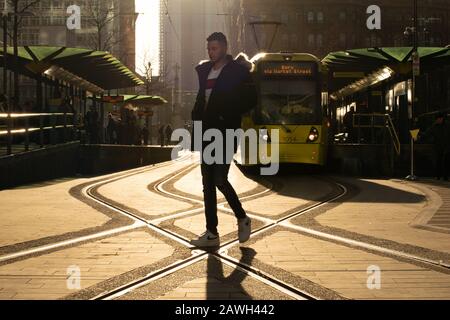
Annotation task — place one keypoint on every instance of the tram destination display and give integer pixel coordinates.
(288, 69)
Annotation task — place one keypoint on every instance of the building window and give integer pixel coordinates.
(310, 17)
(263, 41)
(285, 17)
(342, 39)
(320, 17)
(319, 41)
(294, 41)
(342, 15)
(311, 40)
(285, 40)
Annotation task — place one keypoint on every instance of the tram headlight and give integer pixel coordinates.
(264, 135)
(313, 135)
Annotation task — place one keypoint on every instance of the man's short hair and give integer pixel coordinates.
(218, 36)
(440, 115)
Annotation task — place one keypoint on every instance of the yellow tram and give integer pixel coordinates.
(291, 98)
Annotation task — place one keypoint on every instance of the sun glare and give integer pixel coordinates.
(147, 36)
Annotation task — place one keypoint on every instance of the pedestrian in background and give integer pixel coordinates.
(162, 133)
(111, 129)
(145, 135)
(348, 123)
(168, 133)
(439, 133)
(92, 124)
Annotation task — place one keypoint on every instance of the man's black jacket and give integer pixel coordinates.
(440, 136)
(234, 94)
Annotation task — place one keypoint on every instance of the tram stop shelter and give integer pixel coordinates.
(379, 80)
(76, 69)
(378, 83)
(60, 80)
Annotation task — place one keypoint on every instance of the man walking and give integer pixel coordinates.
(226, 93)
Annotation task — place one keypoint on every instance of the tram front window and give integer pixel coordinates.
(289, 102)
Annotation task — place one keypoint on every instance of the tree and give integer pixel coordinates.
(101, 15)
(153, 85)
(18, 10)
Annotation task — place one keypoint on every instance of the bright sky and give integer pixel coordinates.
(147, 35)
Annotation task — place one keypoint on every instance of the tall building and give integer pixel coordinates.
(107, 25)
(185, 25)
(322, 26)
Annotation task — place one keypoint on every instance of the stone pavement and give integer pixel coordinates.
(344, 270)
(45, 276)
(437, 220)
(44, 210)
(409, 214)
(136, 193)
(389, 209)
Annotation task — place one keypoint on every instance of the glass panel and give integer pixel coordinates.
(289, 102)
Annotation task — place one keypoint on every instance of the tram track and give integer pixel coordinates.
(198, 254)
(137, 223)
(219, 253)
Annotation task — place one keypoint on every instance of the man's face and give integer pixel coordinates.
(440, 120)
(216, 50)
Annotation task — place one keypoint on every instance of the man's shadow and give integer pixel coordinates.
(220, 287)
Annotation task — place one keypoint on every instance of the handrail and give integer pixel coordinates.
(44, 127)
(393, 133)
(30, 115)
(385, 123)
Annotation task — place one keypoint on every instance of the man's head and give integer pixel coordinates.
(352, 109)
(217, 46)
(440, 117)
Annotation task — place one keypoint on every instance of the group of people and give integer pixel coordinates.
(124, 131)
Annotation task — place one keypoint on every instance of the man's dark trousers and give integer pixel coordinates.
(216, 175)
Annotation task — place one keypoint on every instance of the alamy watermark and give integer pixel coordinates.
(374, 278)
(217, 147)
(73, 280)
(374, 20)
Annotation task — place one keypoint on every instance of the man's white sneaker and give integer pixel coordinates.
(244, 229)
(206, 239)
